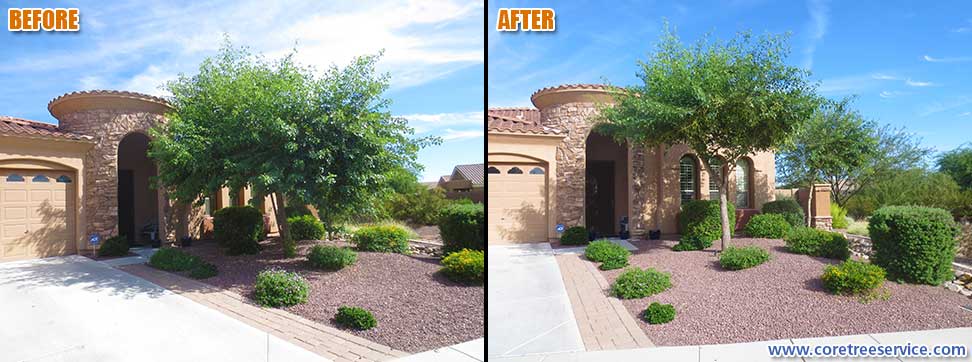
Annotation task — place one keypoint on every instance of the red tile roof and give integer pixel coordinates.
(570, 86)
(107, 92)
(496, 122)
(27, 128)
(524, 113)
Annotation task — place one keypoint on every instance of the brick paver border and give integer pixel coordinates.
(326, 341)
(603, 321)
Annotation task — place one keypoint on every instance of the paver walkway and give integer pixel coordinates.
(603, 321)
(326, 341)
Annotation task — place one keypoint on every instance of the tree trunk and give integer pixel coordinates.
(724, 212)
(280, 212)
(809, 205)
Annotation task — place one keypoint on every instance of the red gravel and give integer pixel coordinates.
(417, 309)
(782, 298)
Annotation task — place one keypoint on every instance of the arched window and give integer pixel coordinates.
(743, 170)
(715, 165)
(15, 178)
(687, 177)
(40, 178)
(515, 170)
(492, 169)
(64, 179)
(536, 171)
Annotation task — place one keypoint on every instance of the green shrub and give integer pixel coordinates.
(637, 283)
(355, 318)
(238, 229)
(815, 242)
(701, 219)
(852, 277)
(276, 288)
(462, 226)
(610, 255)
(331, 257)
(857, 228)
(171, 259)
(839, 215)
(773, 226)
(114, 246)
(421, 205)
(465, 266)
(746, 257)
(914, 244)
(203, 270)
(658, 313)
(574, 235)
(306, 227)
(790, 210)
(382, 238)
(695, 242)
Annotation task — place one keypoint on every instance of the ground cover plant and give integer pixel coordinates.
(853, 278)
(279, 288)
(355, 318)
(658, 313)
(382, 238)
(738, 258)
(465, 266)
(610, 255)
(331, 257)
(639, 283)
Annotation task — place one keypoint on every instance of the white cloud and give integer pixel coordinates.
(890, 94)
(149, 81)
(915, 83)
(91, 82)
(964, 29)
(882, 76)
(946, 59)
(426, 122)
(941, 106)
(965, 114)
(817, 28)
(452, 135)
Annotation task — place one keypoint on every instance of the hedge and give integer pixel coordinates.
(238, 229)
(462, 226)
(912, 243)
(815, 242)
(790, 210)
(701, 220)
(388, 238)
(306, 227)
(773, 226)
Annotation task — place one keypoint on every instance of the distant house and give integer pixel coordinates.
(466, 181)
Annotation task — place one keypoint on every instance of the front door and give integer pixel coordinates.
(126, 205)
(600, 197)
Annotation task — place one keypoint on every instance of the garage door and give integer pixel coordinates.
(517, 204)
(37, 214)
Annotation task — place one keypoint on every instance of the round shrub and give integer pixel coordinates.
(790, 210)
(355, 318)
(203, 270)
(238, 229)
(852, 277)
(839, 215)
(574, 235)
(277, 288)
(914, 244)
(610, 255)
(171, 259)
(658, 313)
(114, 246)
(692, 242)
(815, 242)
(637, 283)
(701, 219)
(462, 226)
(465, 266)
(773, 226)
(331, 257)
(734, 258)
(305, 227)
(387, 238)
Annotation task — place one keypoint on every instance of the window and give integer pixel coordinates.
(742, 183)
(64, 179)
(492, 169)
(208, 206)
(715, 165)
(15, 178)
(536, 171)
(515, 170)
(687, 176)
(40, 178)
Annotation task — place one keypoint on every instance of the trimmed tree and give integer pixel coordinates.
(725, 100)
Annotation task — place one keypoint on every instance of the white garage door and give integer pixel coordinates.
(37, 214)
(517, 203)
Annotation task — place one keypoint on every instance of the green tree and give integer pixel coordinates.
(914, 187)
(897, 150)
(835, 140)
(958, 164)
(324, 138)
(724, 100)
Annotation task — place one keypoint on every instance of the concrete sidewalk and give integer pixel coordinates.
(471, 351)
(757, 351)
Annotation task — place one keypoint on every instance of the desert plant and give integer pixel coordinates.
(814, 242)
(773, 226)
(420, 205)
(114, 246)
(857, 228)
(637, 283)
(574, 235)
(171, 259)
(610, 255)
(787, 207)
(355, 318)
(735, 258)
(238, 229)
(382, 238)
(692, 242)
(278, 288)
(915, 244)
(306, 227)
(852, 277)
(331, 257)
(658, 313)
(839, 216)
(462, 227)
(465, 266)
(700, 219)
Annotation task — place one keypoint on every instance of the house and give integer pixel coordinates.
(466, 181)
(90, 176)
(549, 166)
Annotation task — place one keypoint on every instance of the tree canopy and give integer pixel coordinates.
(958, 164)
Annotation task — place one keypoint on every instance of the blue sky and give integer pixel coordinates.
(434, 52)
(909, 63)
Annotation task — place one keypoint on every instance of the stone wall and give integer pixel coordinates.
(574, 121)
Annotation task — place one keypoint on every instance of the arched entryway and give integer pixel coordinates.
(138, 211)
(606, 192)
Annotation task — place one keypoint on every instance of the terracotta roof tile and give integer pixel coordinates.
(524, 113)
(506, 124)
(570, 86)
(108, 92)
(23, 127)
(473, 173)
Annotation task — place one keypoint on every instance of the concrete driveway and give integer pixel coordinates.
(75, 309)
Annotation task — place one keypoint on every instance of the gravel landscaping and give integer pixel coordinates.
(783, 298)
(417, 308)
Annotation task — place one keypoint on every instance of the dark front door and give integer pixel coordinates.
(600, 197)
(126, 205)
